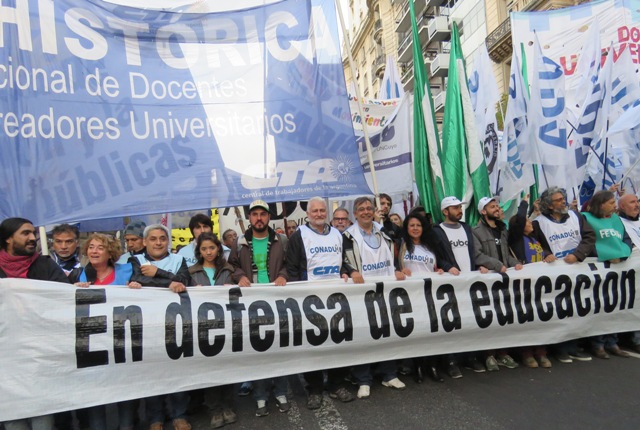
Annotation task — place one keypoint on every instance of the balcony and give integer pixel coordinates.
(499, 42)
(377, 30)
(378, 66)
(405, 52)
(438, 101)
(438, 30)
(404, 17)
(440, 65)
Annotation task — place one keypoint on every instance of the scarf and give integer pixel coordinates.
(16, 266)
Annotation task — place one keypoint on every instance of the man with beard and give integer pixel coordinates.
(259, 257)
(315, 253)
(65, 247)
(565, 234)
(455, 253)
(561, 231)
(492, 238)
(19, 259)
(492, 241)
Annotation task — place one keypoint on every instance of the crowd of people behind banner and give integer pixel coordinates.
(378, 244)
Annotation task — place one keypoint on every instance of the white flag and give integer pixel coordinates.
(514, 175)
(547, 143)
(483, 90)
(391, 84)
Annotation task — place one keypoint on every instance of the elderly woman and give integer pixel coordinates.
(102, 252)
(612, 245)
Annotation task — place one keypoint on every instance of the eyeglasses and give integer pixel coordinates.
(341, 219)
(558, 200)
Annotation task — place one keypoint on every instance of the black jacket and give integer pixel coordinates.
(444, 253)
(163, 278)
(44, 269)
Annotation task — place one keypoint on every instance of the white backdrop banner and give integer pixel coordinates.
(62, 348)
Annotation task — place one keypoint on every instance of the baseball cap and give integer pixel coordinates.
(135, 228)
(485, 201)
(259, 204)
(449, 201)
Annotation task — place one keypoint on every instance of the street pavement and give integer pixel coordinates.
(601, 394)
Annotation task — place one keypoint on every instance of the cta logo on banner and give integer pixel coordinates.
(108, 110)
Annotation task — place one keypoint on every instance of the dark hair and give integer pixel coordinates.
(385, 196)
(8, 227)
(65, 228)
(596, 202)
(220, 260)
(198, 219)
(229, 230)
(426, 238)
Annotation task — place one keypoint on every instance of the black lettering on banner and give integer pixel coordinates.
(236, 308)
(610, 292)
(205, 325)
(400, 304)
(431, 306)
(261, 314)
(564, 306)
(449, 313)
(596, 293)
(341, 318)
(182, 309)
(86, 326)
(121, 315)
(522, 299)
(501, 296)
(284, 307)
(582, 282)
(315, 318)
(479, 294)
(545, 313)
(627, 288)
(371, 299)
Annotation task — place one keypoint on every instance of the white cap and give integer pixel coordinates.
(449, 201)
(485, 201)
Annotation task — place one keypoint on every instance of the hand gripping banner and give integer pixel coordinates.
(63, 348)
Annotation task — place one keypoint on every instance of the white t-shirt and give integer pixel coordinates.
(421, 262)
(459, 244)
(633, 230)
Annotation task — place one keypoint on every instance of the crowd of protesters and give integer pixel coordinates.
(374, 243)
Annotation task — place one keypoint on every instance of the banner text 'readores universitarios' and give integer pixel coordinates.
(108, 111)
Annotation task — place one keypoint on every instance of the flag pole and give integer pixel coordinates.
(365, 131)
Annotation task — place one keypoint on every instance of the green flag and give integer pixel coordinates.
(533, 190)
(428, 171)
(464, 168)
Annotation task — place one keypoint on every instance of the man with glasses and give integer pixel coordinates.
(565, 234)
(368, 253)
(341, 219)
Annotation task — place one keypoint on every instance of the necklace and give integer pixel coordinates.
(105, 276)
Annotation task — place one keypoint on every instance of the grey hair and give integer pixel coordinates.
(545, 198)
(148, 229)
(316, 199)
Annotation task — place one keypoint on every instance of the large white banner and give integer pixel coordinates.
(63, 347)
